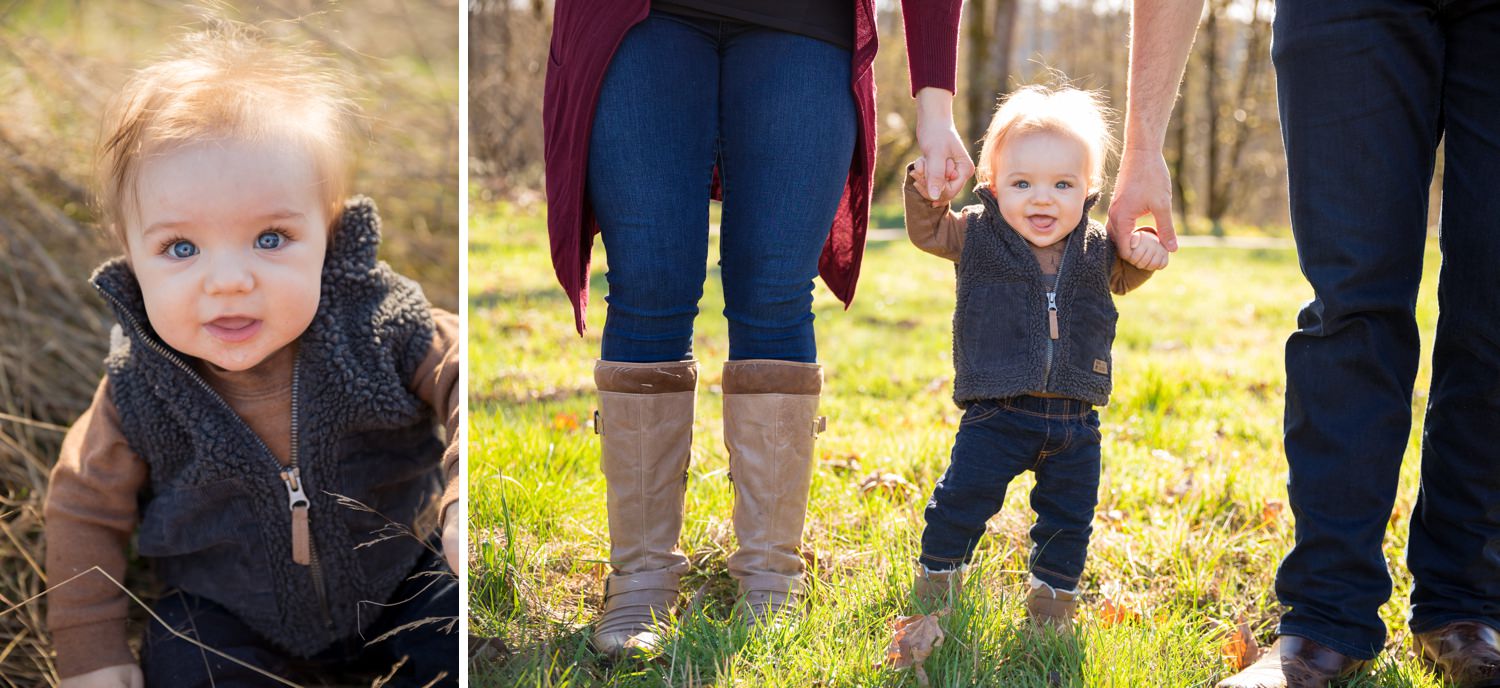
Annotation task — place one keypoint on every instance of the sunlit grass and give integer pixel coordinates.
(1190, 524)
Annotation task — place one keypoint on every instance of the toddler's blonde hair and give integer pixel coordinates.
(1063, 110)
(227, 82)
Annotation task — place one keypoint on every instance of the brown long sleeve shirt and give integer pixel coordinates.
(940, 231)
(91, 507)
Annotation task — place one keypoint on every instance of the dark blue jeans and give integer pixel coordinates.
(775, 112)
(1366, 91)
(1058, 440)
(429, 651)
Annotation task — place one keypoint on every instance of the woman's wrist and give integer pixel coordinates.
(934, 102)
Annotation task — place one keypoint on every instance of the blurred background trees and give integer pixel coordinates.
(1223, 145)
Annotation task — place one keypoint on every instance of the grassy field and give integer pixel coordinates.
(1190, 526)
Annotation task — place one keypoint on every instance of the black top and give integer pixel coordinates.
(825, 20)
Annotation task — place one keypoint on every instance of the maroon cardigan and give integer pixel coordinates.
(585, 34)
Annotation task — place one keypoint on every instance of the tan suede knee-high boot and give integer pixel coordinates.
(770, 421)
(645, 424)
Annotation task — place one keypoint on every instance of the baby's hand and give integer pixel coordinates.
(1146, 251)
(919, 178)
(451, 549)
(118, 676)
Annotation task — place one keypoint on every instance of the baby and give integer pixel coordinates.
(265, 368)
(1031, 339)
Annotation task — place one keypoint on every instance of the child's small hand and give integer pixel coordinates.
(1146, 251)
(919, 177)
(451, 547)
(118, 676)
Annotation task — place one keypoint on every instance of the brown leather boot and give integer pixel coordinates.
(645, 424)
(770, 421)
(938, 588)
(1293, 662)
(1465, 653)
(1048, 606)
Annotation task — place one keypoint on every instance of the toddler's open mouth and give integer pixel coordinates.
(1041, 223)
(233, 329)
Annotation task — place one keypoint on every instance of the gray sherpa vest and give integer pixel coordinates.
(216, 517)
(1002, 344)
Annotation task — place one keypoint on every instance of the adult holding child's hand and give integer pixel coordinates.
(941, 148)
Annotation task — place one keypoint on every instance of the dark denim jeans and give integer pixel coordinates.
(170, 661)
(1058, 439)
(1366, 91)
(775, 111)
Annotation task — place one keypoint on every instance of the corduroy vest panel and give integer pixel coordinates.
(215, 518)
(1002, 345)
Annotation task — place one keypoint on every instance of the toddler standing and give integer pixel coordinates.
(1031, 338)
(265, 366)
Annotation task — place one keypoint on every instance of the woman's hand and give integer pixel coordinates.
(945, 164)
(118, 676)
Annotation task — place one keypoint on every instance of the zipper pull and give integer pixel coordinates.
(1052, 313)
(297, 501)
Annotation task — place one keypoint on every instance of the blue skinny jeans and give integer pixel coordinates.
(775, 112)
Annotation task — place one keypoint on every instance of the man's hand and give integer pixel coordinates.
(945, 163)
(1142, 187)
(452, 548)
(118, 676)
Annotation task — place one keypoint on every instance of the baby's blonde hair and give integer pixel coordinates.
(226, 82)
(1063, 110)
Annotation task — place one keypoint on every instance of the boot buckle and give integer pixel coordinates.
(819, 425)
(598, 428)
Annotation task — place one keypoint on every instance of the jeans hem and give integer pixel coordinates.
(1339, 646)
(1433, 623)
(1052, 579)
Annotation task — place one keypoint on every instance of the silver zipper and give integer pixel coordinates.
(295, 490)
(1052, 314)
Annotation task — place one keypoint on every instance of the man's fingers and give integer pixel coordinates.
(1164, 232)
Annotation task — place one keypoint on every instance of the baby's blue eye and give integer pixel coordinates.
(1064, 185)
(182, 249)
(1023, 185)
(268, 240)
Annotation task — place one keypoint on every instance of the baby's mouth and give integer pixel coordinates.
(235, 329)
(1042, 222)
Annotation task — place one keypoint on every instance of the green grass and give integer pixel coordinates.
(1189, 529)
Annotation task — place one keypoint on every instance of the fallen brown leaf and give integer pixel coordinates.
(891, 484)
(913, 639)
(1240, 649)
(1112, 611)
(1270, 514)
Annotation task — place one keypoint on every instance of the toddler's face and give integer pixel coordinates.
(1041, 182)
(228, 247)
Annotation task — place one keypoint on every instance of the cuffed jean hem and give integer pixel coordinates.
(941, 564)
(1339, 646)
(1056, 580)
(1436, 622)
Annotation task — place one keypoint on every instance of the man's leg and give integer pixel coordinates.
(1454, 550)
(1359, 92)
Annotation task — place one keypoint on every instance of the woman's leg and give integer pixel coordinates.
(651, 158)
(650, 167)
(787, 121)
(787, 126)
